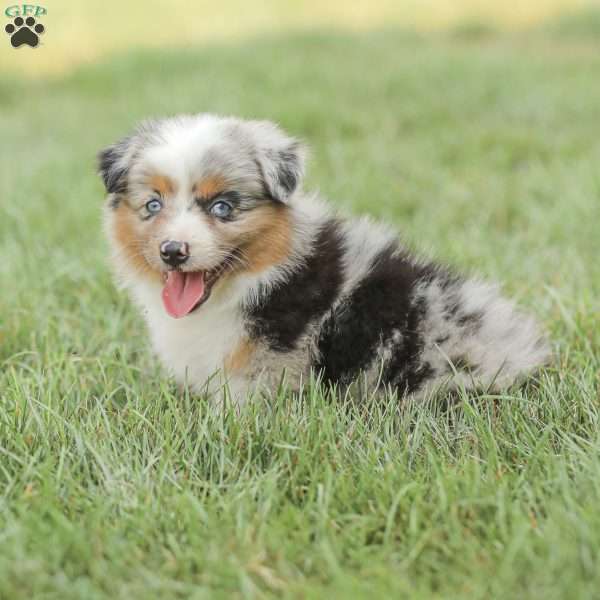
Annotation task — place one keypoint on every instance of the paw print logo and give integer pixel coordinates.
(24, 32)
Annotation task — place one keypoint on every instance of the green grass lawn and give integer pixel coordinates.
(483, 150)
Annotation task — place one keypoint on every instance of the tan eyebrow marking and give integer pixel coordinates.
(162, 184)
(209, 187)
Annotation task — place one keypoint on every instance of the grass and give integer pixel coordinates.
(81, 32)
(482, 150)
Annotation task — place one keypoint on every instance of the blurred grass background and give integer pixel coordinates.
(86, 30)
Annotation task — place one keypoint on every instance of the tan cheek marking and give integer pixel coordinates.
(209, 186)
(240, 357)
(162, 184)
(131, 242)
(272, 243)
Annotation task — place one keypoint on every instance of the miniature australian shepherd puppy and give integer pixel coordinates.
(245, 280)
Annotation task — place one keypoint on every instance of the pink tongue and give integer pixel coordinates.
(182, 292)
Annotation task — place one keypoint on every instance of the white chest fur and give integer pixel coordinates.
(194, 348)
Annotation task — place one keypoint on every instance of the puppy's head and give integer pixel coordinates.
(192, 201)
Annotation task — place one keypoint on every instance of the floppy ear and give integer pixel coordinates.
(113, 166)
(281, 159)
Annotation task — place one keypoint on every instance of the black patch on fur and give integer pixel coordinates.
(115, 178)
(289, 168)
(115, 201)
(282, 171)
(286, 313)
(451, 308)
(470, 319)
(380, 304)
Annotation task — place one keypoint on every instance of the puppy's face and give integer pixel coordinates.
(196, 200)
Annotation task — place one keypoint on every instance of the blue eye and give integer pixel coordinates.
(221, 209)
(153, 206)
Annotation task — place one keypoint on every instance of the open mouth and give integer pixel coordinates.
(185, 291)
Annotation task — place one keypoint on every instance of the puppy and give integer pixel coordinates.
(243, 279)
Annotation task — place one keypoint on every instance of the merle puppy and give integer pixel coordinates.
(243, 278)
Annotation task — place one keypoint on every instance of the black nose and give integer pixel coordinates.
(174, 253)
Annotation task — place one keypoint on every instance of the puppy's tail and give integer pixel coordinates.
(488, 343)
